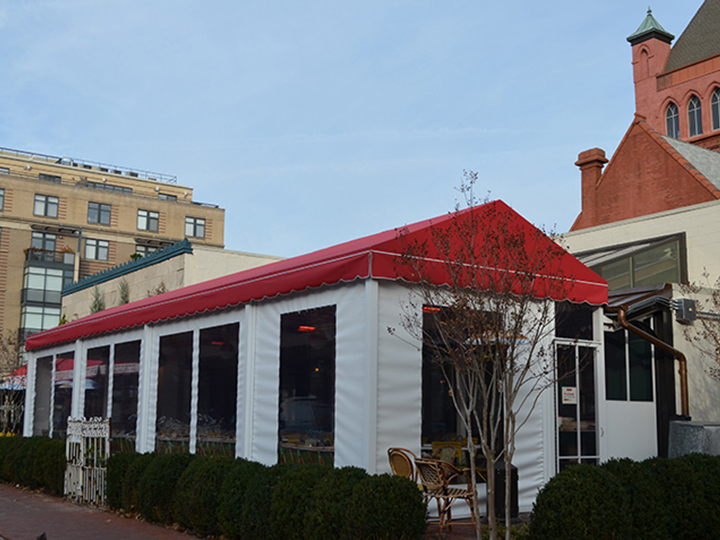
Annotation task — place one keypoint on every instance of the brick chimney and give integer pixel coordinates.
(591, 163)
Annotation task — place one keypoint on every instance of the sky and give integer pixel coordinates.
(317, 122)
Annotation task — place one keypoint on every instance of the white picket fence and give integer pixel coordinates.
(87, 450)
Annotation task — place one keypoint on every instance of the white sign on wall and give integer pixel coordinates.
(569, 395)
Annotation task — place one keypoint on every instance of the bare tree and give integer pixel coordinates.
(12, 392)
(482, 308)
(704, 311)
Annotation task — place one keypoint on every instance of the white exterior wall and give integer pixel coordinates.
(700, 223)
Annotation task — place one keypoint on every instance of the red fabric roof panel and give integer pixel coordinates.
(374, 256)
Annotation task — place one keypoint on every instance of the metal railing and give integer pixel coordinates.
(87, 450)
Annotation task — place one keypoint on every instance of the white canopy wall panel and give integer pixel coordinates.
(399, 377)
(350, 366)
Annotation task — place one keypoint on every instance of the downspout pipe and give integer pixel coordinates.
(622, 320)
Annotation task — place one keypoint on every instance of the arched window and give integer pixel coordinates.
(715, 108)
(694, 117)
(672, 121)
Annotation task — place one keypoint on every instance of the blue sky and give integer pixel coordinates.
(317, 122)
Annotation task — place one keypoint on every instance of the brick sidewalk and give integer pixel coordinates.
(24, 515)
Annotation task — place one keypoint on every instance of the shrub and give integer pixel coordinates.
(385, 506)
(131, 480)
(232, 495)
(645, 496)
(198, 492)
(51, 464)
(326, 517)
(583, 502)
(254, 520)
(292, 499)
(117, 466)
(686, 488)
(156, 489)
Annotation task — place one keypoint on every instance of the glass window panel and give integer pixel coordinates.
(53, 280)
(33, 318)
(63, 391)
(640, 352)
(39, 207)
(51, 317)
(587, 401)
(126, 372)
(35, 278)
(695, 117)
(574, 321)
(617, 274)
(307, 379)
(174, 388)
(672, 121)
(43, 392)
(217, 384)
(567, 412)
(658, 265)
(96, 382)
(715, 108)
(615, 366)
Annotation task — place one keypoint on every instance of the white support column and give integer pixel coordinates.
(77, 407)
(147, 391)
(246, 392)
(194, 389)
(372, 292)
(29, 416)
(110, 382)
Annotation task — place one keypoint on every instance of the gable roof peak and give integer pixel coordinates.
(650, 29)
(699, 39)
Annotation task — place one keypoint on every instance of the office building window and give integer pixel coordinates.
(96, 249)
(4, 170)
(148, 220)
(44, 241)
(2, 200)
(109, 187)
(145, 250)
(195, 227)
(43, 285)
(37, 318)
(695, 117)
(166, 197)
(99, 213)
(49, 178)
(715, 108)
(46, 206)
(672, 121)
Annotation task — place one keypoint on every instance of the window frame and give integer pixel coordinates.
(194, 226)
(672, 121)
(2, 199)
(715, 109)
(99, 213)
(694, 109)
(44, 205)
(148, 220)
(95, 249)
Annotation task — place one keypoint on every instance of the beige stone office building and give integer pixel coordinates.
(62, 219)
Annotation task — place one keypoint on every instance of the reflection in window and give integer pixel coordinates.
(628, 366)
(99, 213)
(96, 382)
(695, 117)
(97, 250)
(672, 121)
(217, 385)
(63, 391)
(43, 393)
(174, 387)
(654, 266)
(307, 380)
(574, 321)
(126, 372)
(715, 108)
(46, 206)
(147, 220)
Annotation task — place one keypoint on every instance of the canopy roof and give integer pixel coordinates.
(374, 257)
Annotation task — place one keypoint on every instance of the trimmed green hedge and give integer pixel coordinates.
(658, 499)
(34, 462)
(235, 498)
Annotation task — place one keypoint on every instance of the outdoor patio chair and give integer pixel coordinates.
(402, 463)
(436, 477)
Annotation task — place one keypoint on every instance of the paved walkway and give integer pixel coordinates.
(25, 515)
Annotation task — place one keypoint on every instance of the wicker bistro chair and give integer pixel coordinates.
(402, 463)
(436, 477)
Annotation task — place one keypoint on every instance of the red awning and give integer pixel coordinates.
(370, 257)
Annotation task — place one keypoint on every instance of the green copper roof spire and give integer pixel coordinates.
(649, 29)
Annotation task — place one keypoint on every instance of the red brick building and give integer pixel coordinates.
(661, 163)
